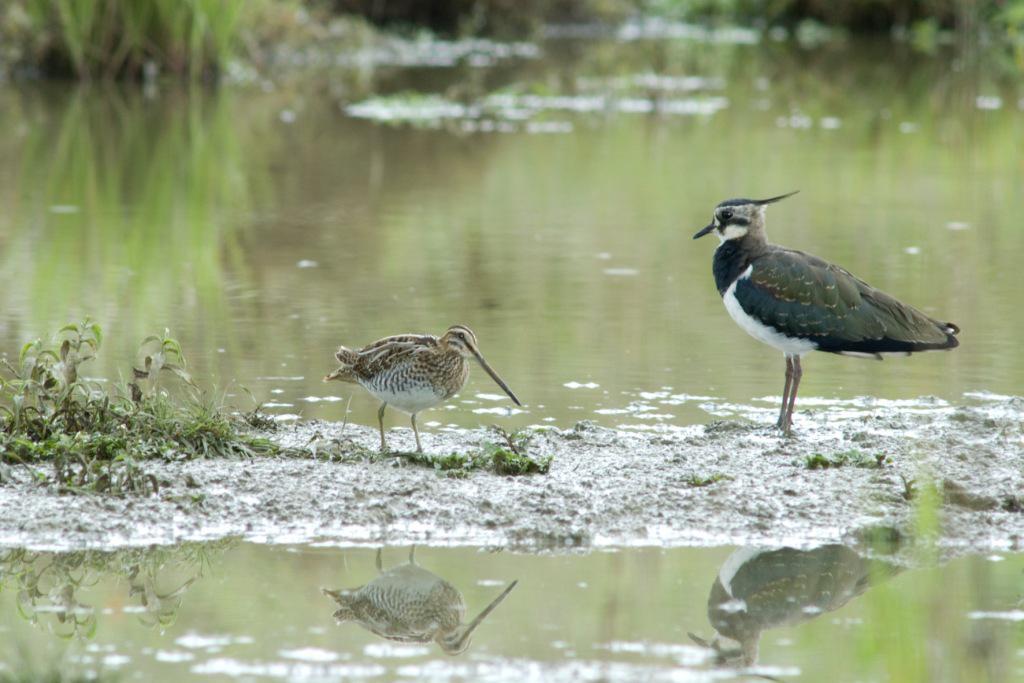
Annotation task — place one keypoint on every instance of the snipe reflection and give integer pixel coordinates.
(758, 589)
(409, 604)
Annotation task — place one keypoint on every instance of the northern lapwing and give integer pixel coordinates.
(798, 303)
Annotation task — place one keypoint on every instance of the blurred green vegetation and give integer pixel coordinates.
(132, 39)
(518, 18)
(201, 38)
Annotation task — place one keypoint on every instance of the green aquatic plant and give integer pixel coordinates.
(510, 453)
(93, 437)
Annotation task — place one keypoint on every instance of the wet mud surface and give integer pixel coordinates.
(851, 466)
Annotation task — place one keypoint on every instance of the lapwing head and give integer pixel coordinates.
(461, 339)
(736, 218)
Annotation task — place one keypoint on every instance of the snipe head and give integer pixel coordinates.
(461, 339)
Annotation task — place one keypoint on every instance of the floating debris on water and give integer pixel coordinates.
(64, 208)
(510, 112)
(579, 385)
(651, 81)
(306, 263)
(309, 654)
(389, 651)
(491, 397)
(499, 411)
(410, 107)
(988, 102)
(1011, 615)
(655, 28)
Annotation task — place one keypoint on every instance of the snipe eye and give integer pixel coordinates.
(726, 214)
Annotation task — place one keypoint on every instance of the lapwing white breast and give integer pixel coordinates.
(799, 303)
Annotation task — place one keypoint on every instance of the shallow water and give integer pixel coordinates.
(544, 197)
(819, 614)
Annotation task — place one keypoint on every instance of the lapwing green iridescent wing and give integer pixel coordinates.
(802, 296)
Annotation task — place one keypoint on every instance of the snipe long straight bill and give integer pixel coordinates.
(498, 380)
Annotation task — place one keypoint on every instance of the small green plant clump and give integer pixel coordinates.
(511, 454)
(93, 438)
(698, 481)
(852, 458)
(507, 455)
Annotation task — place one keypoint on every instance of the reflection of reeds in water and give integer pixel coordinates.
(49, 586)
(124, 207)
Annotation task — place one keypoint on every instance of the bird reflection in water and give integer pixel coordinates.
(759, 589)
(409, 604)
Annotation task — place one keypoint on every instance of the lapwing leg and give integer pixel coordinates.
(416, 431)
(379, 560)
(798, 372)
(380, 421)
(781, 424)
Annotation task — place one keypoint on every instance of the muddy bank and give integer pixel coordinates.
(733, 481)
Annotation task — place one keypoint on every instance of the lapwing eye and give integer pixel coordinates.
(726, 215)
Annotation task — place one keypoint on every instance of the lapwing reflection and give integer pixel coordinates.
(757, 590)
(409, 604)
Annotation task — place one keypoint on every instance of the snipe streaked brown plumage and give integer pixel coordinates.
(413, 372)
(409, 604)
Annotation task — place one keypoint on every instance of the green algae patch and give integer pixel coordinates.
(506, 462)
(700, 481)
(507, 454)
(851, 458)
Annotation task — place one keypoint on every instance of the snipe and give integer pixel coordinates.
(413, 372)
(409, 604)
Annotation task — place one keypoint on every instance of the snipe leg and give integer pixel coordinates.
(380, 422)
(798, 372)
(416, 431)
(781, 424)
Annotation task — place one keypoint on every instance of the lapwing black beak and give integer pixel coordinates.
(705, 230)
